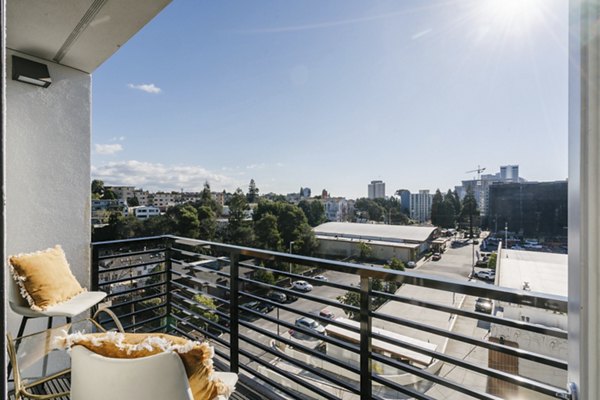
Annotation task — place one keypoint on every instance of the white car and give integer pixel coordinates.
(411, 264)
(321, 278)
(487, 275)
(309, 323)
(302, 286)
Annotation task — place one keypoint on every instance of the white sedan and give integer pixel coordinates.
(302, 286)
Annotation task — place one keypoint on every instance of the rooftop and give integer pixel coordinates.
(380, 232)
(544, 272)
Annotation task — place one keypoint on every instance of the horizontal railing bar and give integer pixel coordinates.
(554, 332)
(129, 302)
(501, 375)
(131, 254)
(184, 299)
(305, 349)
(144, 322)
(200, 282)
(432, 377)
(288, 375)
(291, 360)
(110, 243)
(130, 266)
(159, 328)
(106, 283)
(197, 268)
(517, 296)
(542, 359)
(181, 287)
(205, 333)
(133, 313)
(402, 389)
(137, 289)
(193, 314)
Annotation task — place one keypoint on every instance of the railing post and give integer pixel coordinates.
(95, 268)
(365, 338)
(234, 339)
(168, 277)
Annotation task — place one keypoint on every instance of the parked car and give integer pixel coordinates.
(483, 305)
(311, 324)
(260, 306)
(302, 286)
(411, 264)
(321, 278)
(326, 313)
(486, 274)
(436, 257)
(277, 296)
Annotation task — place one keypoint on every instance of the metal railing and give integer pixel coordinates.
(380, 350)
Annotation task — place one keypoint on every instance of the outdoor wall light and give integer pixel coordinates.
(31, 72)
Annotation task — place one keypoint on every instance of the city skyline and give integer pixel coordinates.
(334, 96)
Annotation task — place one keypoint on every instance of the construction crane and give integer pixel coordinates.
(479, 170)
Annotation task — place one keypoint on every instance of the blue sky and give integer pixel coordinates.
(331, 95)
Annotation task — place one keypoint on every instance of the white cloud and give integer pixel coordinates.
(256, 166)
(117, 139)
(108, 149)
(152, 176)
(146, 87)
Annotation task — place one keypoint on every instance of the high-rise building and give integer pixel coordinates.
(509, 173)
(532, 209)
(420, 206)
(377, 190)
(404, 199)
(481, 186)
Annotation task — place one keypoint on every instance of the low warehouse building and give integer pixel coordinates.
(405, 242)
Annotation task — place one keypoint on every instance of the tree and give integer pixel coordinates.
(436, 208)
(208, 223)
(314, 211)
(252, 195)
(350, 299)
(205, 307)
(396, 264)
(267, 234)
(365, 250)
(492, 261)
(109, 195)
(206, 199)
(306, 243)
(469, 209)
(133, 201)
(97, 189)
(265, 276)
(186, 222)
(239, 230)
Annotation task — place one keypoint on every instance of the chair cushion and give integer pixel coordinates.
(196, 356)
(44, 278)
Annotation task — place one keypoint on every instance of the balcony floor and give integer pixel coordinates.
(64, 384)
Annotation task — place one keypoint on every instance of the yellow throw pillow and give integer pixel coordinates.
(44, 278)
(196, 356)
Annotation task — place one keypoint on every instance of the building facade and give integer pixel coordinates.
(531, 209)
(376, 190)
(420, 206)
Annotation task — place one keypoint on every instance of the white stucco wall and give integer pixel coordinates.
(48, 167)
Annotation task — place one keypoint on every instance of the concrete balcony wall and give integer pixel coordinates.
(48, 167)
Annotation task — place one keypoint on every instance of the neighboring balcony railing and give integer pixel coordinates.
(399, 335)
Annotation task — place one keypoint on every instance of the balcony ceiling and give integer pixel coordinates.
(81, 34)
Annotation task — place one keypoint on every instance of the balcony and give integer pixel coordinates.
(407, 335)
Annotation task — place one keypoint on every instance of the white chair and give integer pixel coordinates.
(68, 309)
(158, 377)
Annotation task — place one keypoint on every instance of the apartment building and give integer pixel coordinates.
(376, 190)
(420, 206)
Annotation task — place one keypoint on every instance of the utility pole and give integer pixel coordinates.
(291, 245)
(506, 235)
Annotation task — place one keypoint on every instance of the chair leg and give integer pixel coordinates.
(45, 364)
(68, 320)
(18, 340)
(22, 326)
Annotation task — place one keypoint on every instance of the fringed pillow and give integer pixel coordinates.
(196, 356)
(44, 278)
